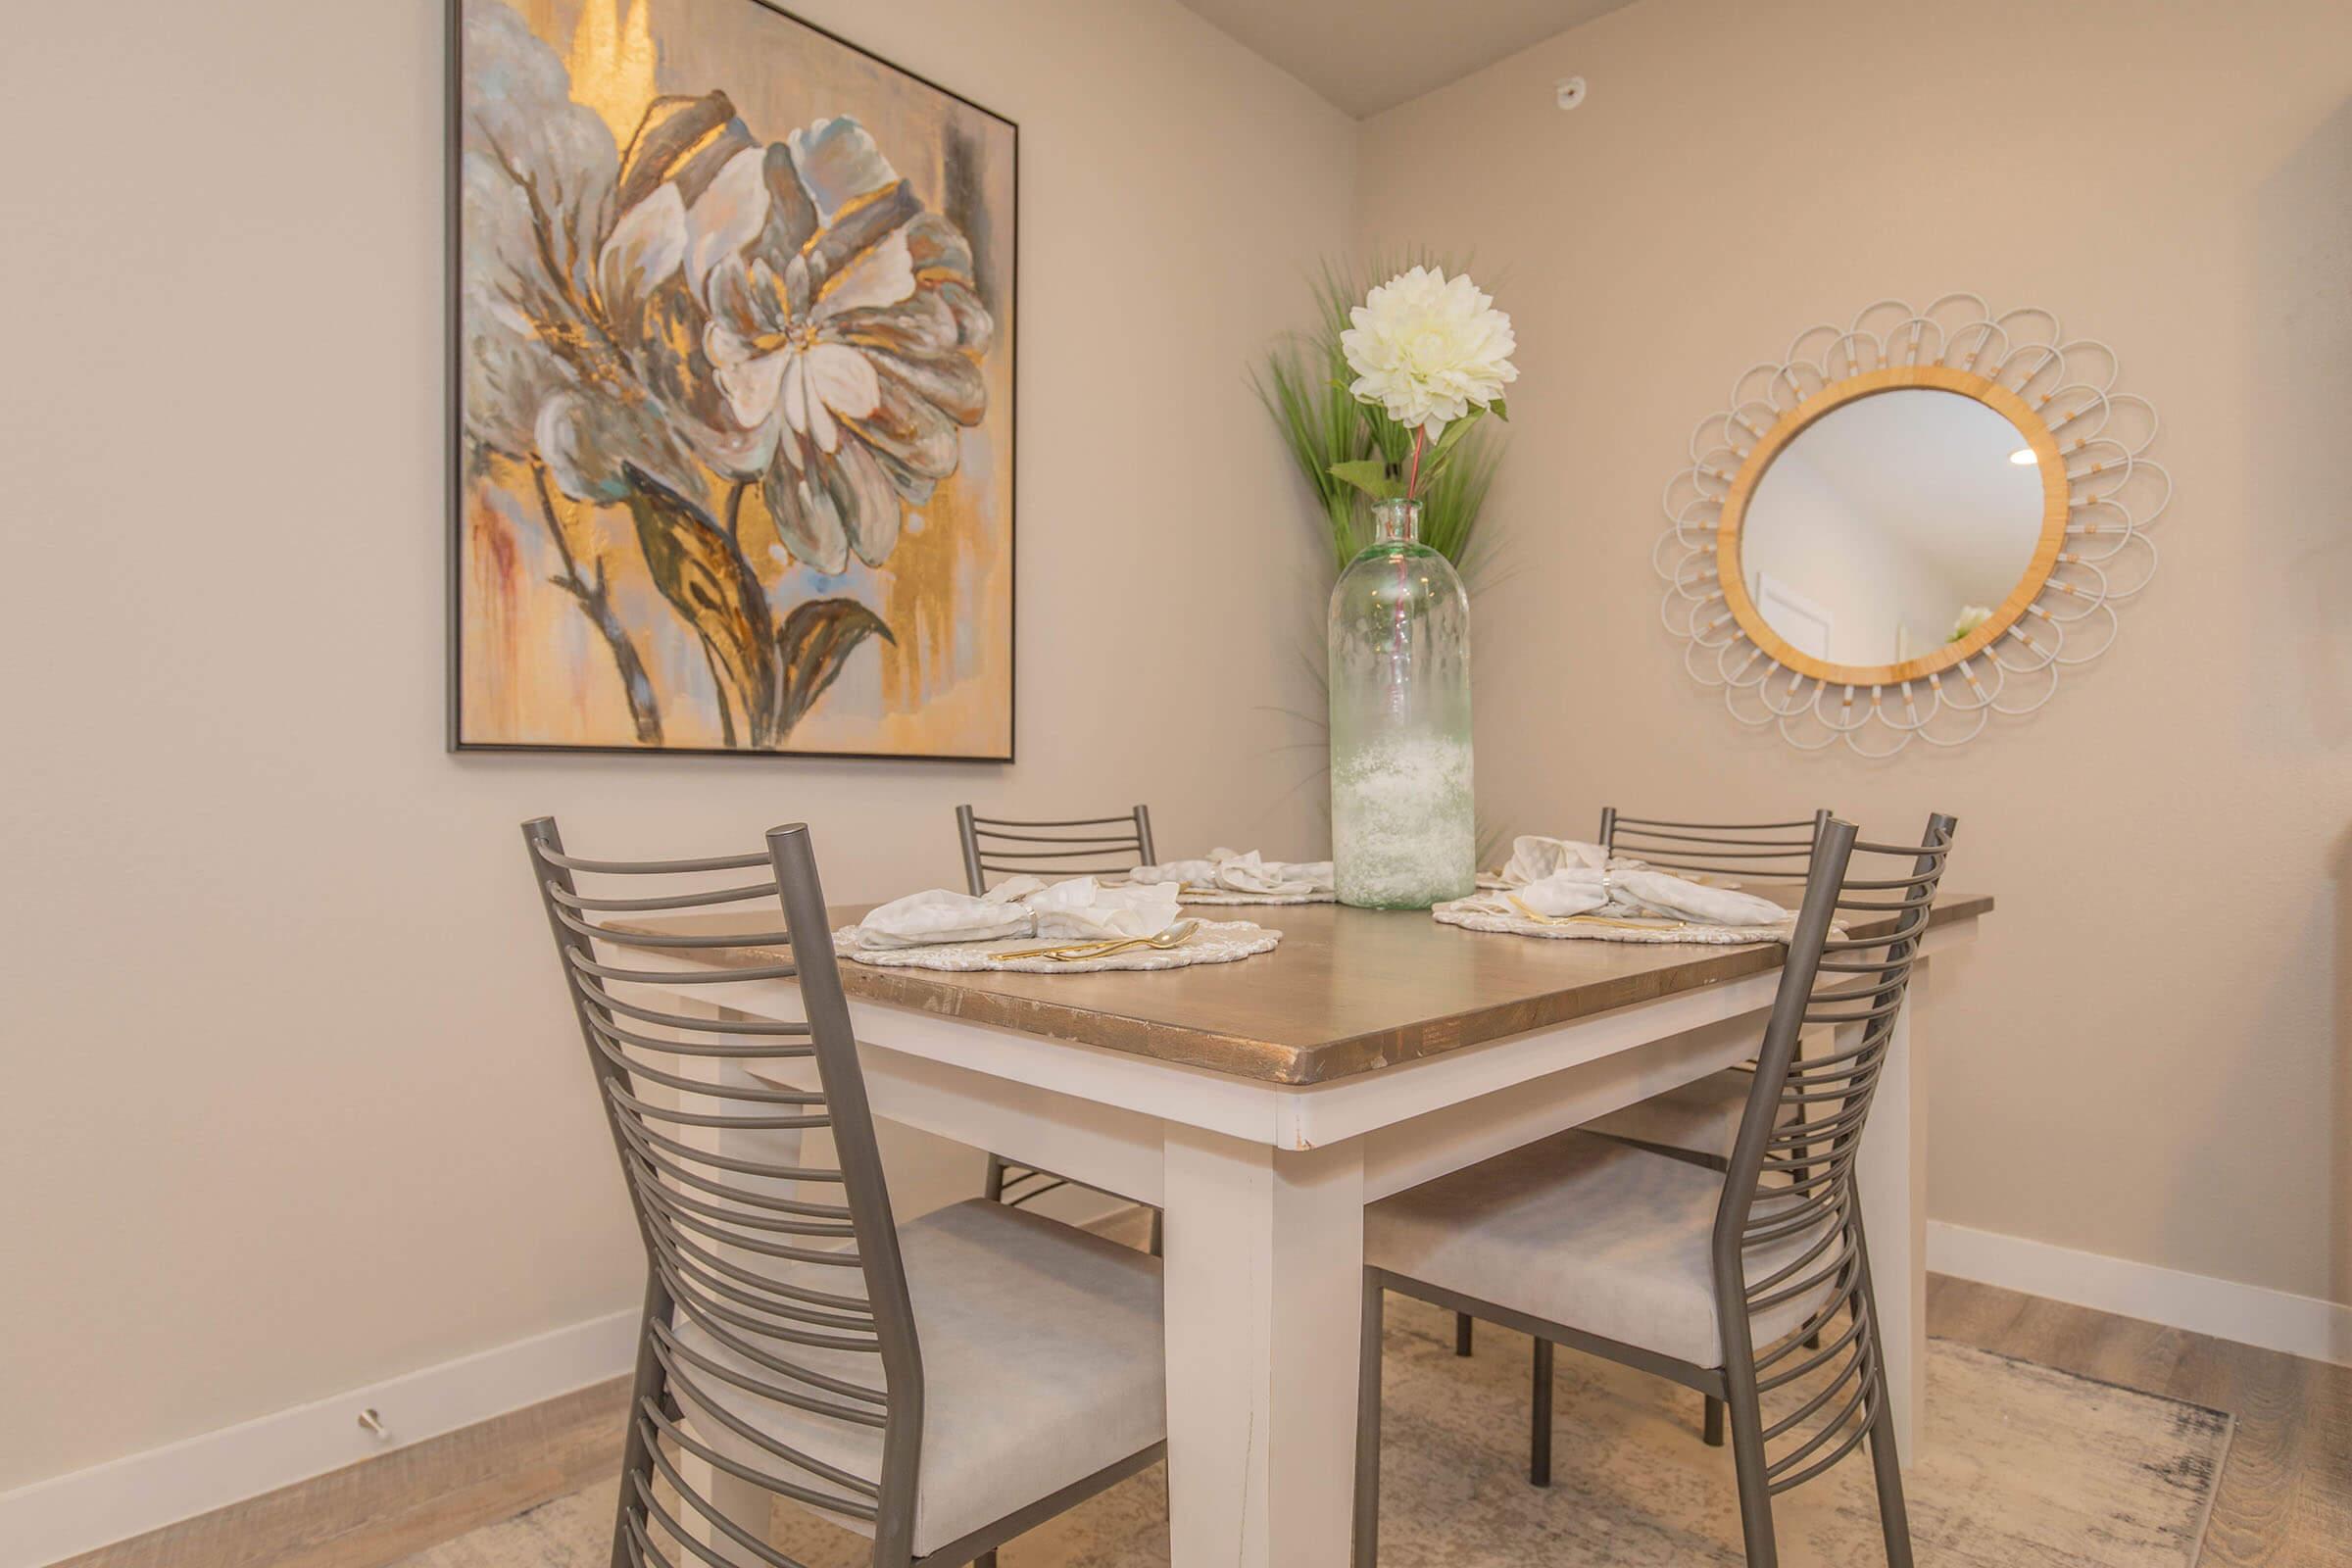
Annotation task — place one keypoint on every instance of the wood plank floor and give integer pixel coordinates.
(2284, 1501)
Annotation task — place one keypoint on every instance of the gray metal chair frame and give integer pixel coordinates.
(999, 845)
(1749, 851)
(1787, 1176)
(1775, 851)
(995, 846)
(1771, 852)
(694, 1206)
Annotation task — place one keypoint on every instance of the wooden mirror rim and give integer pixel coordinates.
(2055, 495)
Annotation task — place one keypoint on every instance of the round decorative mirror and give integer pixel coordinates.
(1910, 525)
(1900, 525)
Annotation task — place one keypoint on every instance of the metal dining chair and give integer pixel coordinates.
(942, 1385)
(1001, 847)
(1714, 1280)
(1698, 1120)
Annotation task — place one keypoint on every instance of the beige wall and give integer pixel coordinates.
(292, 1105)
(2148, 1055)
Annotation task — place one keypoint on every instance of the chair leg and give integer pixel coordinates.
(993, 1188)
(1710, 1431)
(1461, 1333)
(1749, 1461)
(1538, 1447)
(636, 1458)
(1895, 1519)
(987, 1559)
(1367, 1431)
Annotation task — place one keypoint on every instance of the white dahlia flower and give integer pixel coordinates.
(1429, 348)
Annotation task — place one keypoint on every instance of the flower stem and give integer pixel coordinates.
(596, 602)
(1413, 474)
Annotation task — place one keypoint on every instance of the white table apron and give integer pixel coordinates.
(1265, 1185)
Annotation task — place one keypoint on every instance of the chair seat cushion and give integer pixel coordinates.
(1043, 1362)
(1701, 1116)
(1587, 1233)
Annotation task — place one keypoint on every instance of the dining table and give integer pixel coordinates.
(1263, 1103)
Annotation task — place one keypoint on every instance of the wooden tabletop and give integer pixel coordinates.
(1347, 990)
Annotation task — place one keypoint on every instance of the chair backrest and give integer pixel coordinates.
(1763, 851)
(1791, 1185)
(999, 845)
(774, 1277)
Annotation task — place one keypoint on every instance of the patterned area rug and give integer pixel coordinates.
(2022, 1465)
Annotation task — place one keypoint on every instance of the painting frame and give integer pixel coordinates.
(455, 438)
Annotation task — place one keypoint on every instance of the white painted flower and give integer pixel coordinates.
(1429, 349)
(841, 331)
(1970, 618)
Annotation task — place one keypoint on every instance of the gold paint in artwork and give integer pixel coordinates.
(850, 209)
(656, 115)
(612, 64)
(926, 576)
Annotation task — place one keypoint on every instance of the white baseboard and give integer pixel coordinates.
(2250, 1314)
(89, 1508)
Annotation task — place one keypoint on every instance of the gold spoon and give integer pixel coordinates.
(1174, 936)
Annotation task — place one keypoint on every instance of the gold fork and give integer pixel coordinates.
(1174, 936)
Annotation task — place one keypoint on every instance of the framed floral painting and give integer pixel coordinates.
(732, 383)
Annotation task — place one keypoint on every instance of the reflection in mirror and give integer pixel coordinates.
(1889, 525)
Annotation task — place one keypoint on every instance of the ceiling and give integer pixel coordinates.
(1370, 55)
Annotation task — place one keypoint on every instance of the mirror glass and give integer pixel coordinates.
(1889, 524)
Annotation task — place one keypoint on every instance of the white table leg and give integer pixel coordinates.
(1893, 1178)
(1266, 1256)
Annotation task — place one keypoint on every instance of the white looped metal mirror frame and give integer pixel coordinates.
(2100, 495)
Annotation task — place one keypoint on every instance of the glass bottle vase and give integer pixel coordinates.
(1403, 830)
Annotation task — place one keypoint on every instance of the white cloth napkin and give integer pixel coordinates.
(1080, 909)
(1662, 893)
(1533, 859)
(1562, 893)
(1236, 871)
(1585, 889)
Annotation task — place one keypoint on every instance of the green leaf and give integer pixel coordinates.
(1453, 433)
(1499, 410)
(702, 574)
(814, 645)
(1368, 474)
